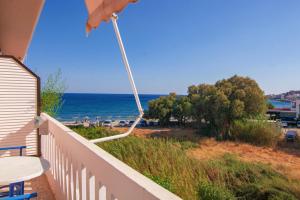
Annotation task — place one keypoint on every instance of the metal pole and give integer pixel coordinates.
(133, 87)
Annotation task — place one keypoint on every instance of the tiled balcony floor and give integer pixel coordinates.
(41, 186)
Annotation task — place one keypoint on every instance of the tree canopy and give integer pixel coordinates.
(227, 100)
(162, 108)
(216, 105)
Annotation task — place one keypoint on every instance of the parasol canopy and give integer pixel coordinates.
(102, 10)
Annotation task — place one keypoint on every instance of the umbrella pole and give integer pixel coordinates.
(114, 19)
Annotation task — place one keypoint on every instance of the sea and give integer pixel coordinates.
(77, 106)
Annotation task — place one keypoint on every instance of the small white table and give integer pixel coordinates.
(21, 168)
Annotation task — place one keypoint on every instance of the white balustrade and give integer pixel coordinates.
(82, 170)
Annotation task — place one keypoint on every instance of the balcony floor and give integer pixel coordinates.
(41, 186)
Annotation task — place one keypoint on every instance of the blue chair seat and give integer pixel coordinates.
(21, 197)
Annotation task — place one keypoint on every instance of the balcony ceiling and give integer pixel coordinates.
(18, 19)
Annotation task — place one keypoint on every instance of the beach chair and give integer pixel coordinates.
(20, 197)
(13, 188)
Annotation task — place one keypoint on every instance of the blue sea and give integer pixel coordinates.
(77, 106)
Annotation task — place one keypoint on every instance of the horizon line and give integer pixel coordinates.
(114, 93)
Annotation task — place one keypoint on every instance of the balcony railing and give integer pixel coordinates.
(82, 170)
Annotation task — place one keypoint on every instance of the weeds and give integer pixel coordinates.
(162, 160)
(165, 161)
(250, 180)
(210, 191)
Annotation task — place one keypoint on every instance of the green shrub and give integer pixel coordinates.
(210, 191)
(94, 132)
(257, 132)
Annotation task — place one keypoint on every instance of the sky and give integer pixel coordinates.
(171, 44)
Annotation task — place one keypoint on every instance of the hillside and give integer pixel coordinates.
(291, 95)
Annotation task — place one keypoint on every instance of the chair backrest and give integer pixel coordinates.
(20, 148)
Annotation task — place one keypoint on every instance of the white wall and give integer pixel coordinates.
(18, 106)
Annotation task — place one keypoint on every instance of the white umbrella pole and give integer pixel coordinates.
(133, 87)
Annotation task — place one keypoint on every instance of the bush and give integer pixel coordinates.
(209, 191)
(257, 132)
(94, 132)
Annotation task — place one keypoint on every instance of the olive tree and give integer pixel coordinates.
(226, 101)
(162, 108)
(182, 109)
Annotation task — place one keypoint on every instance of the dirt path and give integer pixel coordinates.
(284, 160)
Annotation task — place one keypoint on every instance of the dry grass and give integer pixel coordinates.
(286, 163)
(170, 158)
(283, 158)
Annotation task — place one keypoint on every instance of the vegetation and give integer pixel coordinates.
(169, 106)
(94, 132)
(258, 132)
(162, 108)
(166, 162)
(213, 107)
(210, 191)
(226, 101)
(231, 109)
(249, 180)
(182, 109)
(270, 106)
(52, 93)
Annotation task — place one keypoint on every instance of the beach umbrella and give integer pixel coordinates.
(105, 10)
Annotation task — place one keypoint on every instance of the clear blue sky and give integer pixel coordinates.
(171, 44)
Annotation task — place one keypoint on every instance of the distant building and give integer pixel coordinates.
(296, 107)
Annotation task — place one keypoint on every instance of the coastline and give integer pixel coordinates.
(78, 106)
(115, 107)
